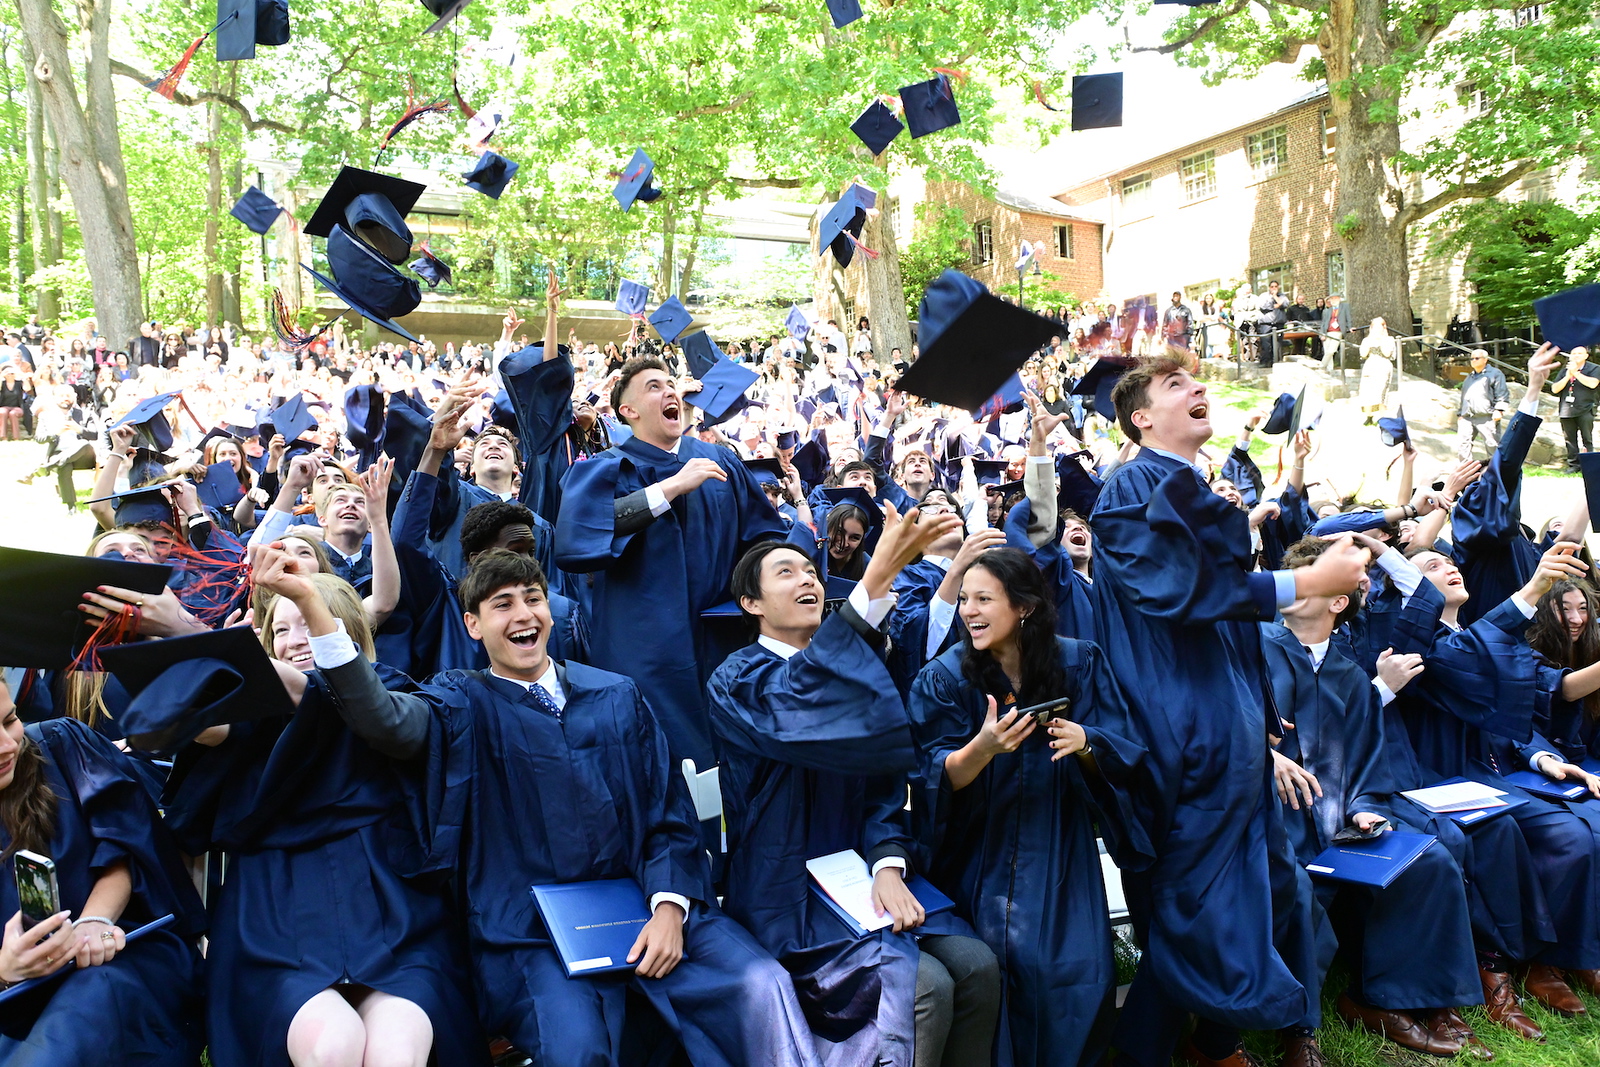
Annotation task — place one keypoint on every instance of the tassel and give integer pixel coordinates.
(222, 582)
(167, 85)
(467, 111)
(1038, 93)
(288, 331)
(413, 112)
(863, 249)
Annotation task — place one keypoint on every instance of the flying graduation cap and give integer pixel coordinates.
(1096, 101)
(1570, 319)
(444, 11)
(256, 210)
(1098, 381)
(796, 323)
(972, 341)
(1282, 412)
(243, 24)
(491, 175)
(430, 268)
(363, 217)
(843, 12)
(930, 106)
(635, 182)
(723, 382)
(1393, 431)
(877, 127)
(632, 297)
(671, 319)
(840, 229)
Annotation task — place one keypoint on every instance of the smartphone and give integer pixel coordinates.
(36, 887)
(1050, 709)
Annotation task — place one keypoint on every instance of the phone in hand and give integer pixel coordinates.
(1050, 709)
(36, 887)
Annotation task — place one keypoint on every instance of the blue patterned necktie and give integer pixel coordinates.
(541, 698)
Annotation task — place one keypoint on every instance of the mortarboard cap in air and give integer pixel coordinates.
(220, 490)
(148, 503)
(811, 460)
(1393, 431)
(722, 390)
(843, 12)
(842, 222)
(492, 173)
(443, 11)
(370, 286)
(635, 182)
(632, 297)
(430, 268)
(363, 415)
(243, 24)
(930, 106)
(1570, 319)
(1589, 464)
(700, 353)
(256, 210)
(972, 341)
(40, 624)
(1282, 412)
(990, 471)
(370, 205)
(796, 323)
(184, 685)
(1297, 413)
(150, 418)
(786, 439)
(1096, 101)
(765, 470)
(1098, 381)
(291, 418)
(877, 127)
(854, 494)
(671, 319)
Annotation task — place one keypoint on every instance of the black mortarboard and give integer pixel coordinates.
(844, 12)
(491, 174)
(930, 106)
(1570, 319)
(1393, 431)
(796, 323)
(1098, 381)
(786, 439)
(444, 10)
(40, 624)
(430, 268)
(371, 205)
(765, 470)
(372, 287)
(1096, 101)
(671, 319)
(1589, 464)
(363, 416)
(700, 352)
(256, 210)
(220, 490)
(877, 127)
(989, 471)
(291, 419)
(842, 222)
(811, 460)
(1282, 412)
(149, 416)
(148, 503)
(1007, 489)
(635, 182)
(722, 390)
(972, 341)
(216, 433)
(854, 494)
(243, 24)
(183, 685)
(632, 297)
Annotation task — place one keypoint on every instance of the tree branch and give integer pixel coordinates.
(1467, 191)
(250, 121)
(770, 183)
(1198, 32)
(717, 109)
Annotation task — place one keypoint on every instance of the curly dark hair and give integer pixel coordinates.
(1548, 635)
(1042, 676)
(482, 524)
(1305, 552)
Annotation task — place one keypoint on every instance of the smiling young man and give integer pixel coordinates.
(1225, 912)
(547, 772)
(659, 522)
(816, 745)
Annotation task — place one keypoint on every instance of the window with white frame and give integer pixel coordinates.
(1199, 175)
(1268, 152)
(1136, 195)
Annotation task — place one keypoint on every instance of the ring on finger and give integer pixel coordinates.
(107, 935)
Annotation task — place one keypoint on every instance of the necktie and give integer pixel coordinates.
(541, 698)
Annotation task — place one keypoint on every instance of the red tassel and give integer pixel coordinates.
(1038, 93)
(958, 75)
(167, 84)
(863, 249)
(288, 331)
(467, 110)
(117, 628)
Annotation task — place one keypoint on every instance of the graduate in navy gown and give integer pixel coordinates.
(329, 946)
(659, 521)
(816, 747)
(1224, 912)
(68, 794)
(1006, 819)
(1409, 944)
(543, 772)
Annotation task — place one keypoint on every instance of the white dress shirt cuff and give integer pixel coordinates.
(272, 527)
(1385, 694)
(1523, 606)
(333, 650)
(889, 861)
(940, 616)
(1283, 581)
(873, 611)
(1537, 756)
(656, 499)
(670, 898)
(1401, 571)
(1530, 404)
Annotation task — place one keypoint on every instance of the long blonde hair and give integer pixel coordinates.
(342, 600)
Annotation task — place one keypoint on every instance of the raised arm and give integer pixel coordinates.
(385, 595)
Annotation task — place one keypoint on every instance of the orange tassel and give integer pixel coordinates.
(167, 84)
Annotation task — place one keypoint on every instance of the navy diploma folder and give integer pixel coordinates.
(1472, 816)
(931, 899)
(1374, 863)
(1547, 788)
(593, 925)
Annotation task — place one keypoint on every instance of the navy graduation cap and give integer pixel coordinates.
(844, 12)
(430, 268)
(363, 217)
(796, 323)
(370, 286)
(700, 352)
(854, 494)
(989, 471)
(1096, 101)
(635, 183)
(1393, 431)
(671, 319)
(291, 419)
(444, 11)
(877, 127)
(363, 413)
(811, 460)
(40, 624)
(491, 175)
(150, 418)
(632, 297)
(149, 503)
(765, 470)
(243, 24)
(722, 390)
(220, 489)
(1282, 412)
(1570, 319)
(972, 341)
(1098, 381)
(930, 106)
(786, 439)
(256, 210)
(840, 229)
(1589, 464)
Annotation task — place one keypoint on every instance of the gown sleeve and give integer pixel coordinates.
(1485, 675)
(587, 538)
(1115, 782)
(941, 724)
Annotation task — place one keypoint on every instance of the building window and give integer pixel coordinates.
(1136, 198)
(1199, 174)
(1527, 16)
(982, 243)
(1472, 98)
(1268, 152)
(1282, 273)
(1330, 133)
(1193, 294)
(1064, 242)
(1335, 274)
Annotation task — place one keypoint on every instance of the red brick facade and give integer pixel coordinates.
(1011, 219)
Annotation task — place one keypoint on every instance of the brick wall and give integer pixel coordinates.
(1078, 276)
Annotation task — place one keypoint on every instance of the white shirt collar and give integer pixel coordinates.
(1319, 652)
(548, 681)
(773, 645)
(942, 562)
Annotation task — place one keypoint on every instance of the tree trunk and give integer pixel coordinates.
(667, 275)
(46, 227)
(886, 294)
(1356, 44)
(91, 158)
(694, 250)
(213, 253)
(19, 203)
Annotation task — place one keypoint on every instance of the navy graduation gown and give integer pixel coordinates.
(1412, 947)
(915, 589)
(145, 1005)
(1493, 551)
(650, 587)
(519, 797)
(541, 395)
(1074, 606)
(322, 885)
(815, 753)
(1015, 850)
(1171, 572)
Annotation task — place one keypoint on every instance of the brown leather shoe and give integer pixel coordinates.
(1589, 980)
(1240, 1058)
(1448, 1022)
(1545, 984)
(1301, 1050)
(1500, 1003)
(1398, 1027)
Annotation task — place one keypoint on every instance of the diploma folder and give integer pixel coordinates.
(1468, 816)
(839, 872)
(1547, 788)
(1375, 863)
(593, 924)
(131, 937)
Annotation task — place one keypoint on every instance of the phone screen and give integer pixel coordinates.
(36, 888)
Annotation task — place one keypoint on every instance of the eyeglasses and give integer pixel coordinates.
(936, 509)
